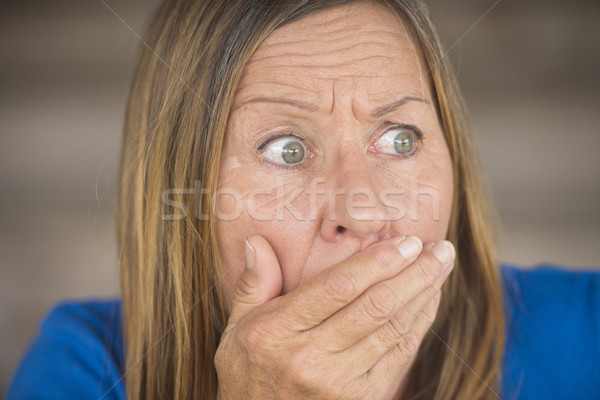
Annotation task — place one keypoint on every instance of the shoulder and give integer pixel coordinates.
(78, 353)
(553, 332)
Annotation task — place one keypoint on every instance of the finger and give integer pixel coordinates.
(337, 286)
(421, 309)
(260, 281)
(399, 357)
(377, 305)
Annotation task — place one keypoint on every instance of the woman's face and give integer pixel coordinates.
(333, 143)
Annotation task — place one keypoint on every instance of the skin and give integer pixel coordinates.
(322, 302)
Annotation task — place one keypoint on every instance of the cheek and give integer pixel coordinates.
(430, 207)
(419, 197)
(430, 200)
(280, 212)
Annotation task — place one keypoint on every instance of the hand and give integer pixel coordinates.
(350, 332)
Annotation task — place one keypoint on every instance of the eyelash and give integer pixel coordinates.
(277, 136)
(265, 142)
(412, 128)
(289, 167)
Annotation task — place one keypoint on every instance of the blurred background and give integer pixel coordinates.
(530, 71)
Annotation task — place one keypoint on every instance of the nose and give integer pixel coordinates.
(354, 206)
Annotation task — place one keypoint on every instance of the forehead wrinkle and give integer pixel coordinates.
(350, 64)
(385, 38)
(286, 59)
(298, 83)
(317, 48)
(329, 19)
(327, 53)
(295, 88)
(281, 62)
(259, 83)
(367, 66)
(417, 55)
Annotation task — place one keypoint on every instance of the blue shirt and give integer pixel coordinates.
(552, 349)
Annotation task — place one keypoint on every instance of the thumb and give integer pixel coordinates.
(260, 281)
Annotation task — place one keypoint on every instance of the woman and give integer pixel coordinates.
(300, 213)
(263, 105)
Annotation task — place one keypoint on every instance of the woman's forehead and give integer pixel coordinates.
(354, 16)
(363, 46)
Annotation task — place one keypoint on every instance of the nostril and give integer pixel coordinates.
(340, 229)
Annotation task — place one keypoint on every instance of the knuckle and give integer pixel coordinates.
(303, 366)
(242, 294)
(380, 303)
(258, 334)
(336, 389)
(384, 258)
(244, 289)
(425, 271)
(339, 287)
(400, 323)
(408, 347)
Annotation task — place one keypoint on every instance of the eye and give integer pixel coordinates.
(398, 140)
(283, 151)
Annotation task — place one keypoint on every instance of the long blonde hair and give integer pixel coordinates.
(174, 313)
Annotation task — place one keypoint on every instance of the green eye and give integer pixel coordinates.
(398, 140)
(285, 151)
(292, 152)
(403, 142)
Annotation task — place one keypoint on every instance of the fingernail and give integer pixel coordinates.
(410, 247)
(444, 251)
(250, 254)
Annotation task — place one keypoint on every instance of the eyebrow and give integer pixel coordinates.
(377, 113)
(393, 106)
(279, 100)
